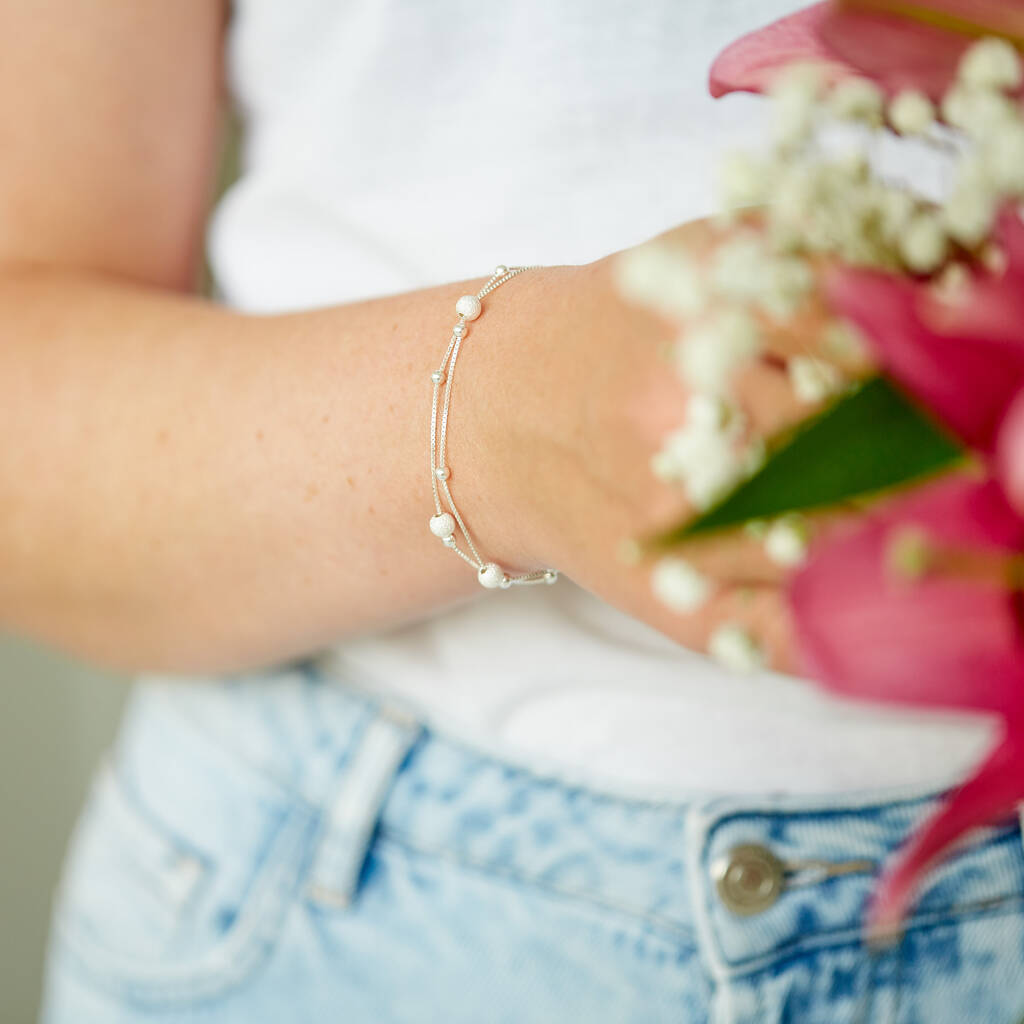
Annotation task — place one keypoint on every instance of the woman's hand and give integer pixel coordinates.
(590, 408)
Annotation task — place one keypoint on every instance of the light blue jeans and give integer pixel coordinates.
(274, 848)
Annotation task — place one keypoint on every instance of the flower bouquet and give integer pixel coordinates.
(913, 385)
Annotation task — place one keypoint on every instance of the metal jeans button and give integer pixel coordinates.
(749, 878)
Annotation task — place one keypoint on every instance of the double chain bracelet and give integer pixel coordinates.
(447, 521)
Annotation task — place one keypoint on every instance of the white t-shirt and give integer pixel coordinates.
(394, 144)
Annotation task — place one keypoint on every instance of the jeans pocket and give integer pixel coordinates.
(155, 915)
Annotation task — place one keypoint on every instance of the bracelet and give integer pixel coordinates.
(443, 523)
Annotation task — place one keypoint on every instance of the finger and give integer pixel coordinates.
(755, 617)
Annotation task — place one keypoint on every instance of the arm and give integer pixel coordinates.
(180, 485)
(186, 488)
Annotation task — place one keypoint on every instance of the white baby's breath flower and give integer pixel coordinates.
(857, 99)
(664, 464)
(991, 112)
(951, 283)
(990, 64)
(787, 541)
(785, 284)
(710, 411)
(923, 244)
(895, 207)
(743, 180)
(813, 379)
(705, 462)
(707, 483)
(968, 214)
(737, 267)
(843, 340)
(796, 193)
(1002, 153)
(661, 277)
(978, 112)
(956, 106)
(794, 98)
(732, 646)
(911, 112)
(708, 356)
(853, 165)
(679, 586)
(705, 454)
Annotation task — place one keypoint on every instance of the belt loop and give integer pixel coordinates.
(351, 818)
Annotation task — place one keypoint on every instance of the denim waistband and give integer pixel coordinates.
(249, 750)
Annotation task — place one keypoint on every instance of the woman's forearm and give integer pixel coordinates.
(188, 488)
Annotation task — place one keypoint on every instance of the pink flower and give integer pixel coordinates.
(898, 44)
(865, 630)
(950, 637)
(962, 357)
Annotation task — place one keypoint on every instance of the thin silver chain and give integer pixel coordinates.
(444, 522)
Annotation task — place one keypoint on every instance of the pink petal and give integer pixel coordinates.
(991, 794)
(1010, 452)
(966, 364)
(940, 640)
(753, 61)
(898, 53)
(873, 38)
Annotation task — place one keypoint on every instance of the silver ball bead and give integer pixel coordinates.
(442, 472)
(550, 576)
(500, 270)
(437, 376)
(459, 330)
(491, 576)
(448, 542)
(468, 307)
(442, 525)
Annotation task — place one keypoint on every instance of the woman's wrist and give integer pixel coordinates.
(509, 408)
(540, 384)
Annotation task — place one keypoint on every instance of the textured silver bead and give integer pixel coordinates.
(442, 525)
(491, 576)
(437, 376)
(468, 307)
(442, 472)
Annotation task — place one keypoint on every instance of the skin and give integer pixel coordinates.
(191, 489)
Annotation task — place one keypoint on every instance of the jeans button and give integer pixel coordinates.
(749, 878)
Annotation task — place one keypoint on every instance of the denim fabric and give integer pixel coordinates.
(273, 847)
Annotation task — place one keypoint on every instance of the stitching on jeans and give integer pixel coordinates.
(229, 963)
(822, 942)
(660, 921)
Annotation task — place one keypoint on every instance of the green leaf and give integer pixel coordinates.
(871, 439)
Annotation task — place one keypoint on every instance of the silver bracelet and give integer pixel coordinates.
(443, 523)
